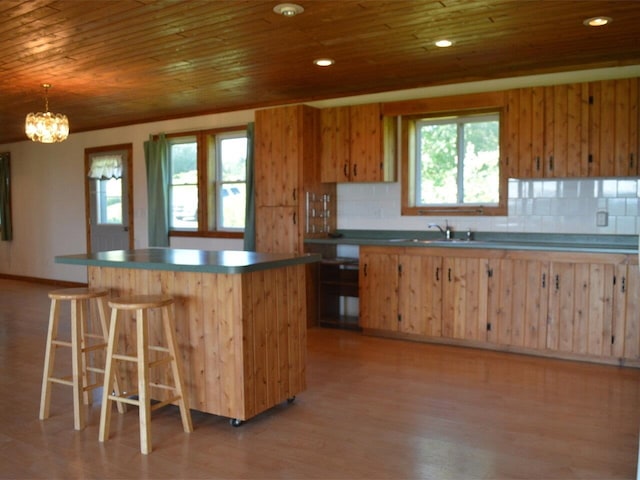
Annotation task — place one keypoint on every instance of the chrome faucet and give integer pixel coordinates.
(447, 232)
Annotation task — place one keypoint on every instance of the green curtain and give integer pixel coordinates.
(6, 229)
(250, 216)
(156, 155)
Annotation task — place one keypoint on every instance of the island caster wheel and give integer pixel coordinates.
(235, 422)
(291, 399)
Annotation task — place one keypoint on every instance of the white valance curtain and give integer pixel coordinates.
(104, 167)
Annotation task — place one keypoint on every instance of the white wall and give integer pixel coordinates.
(48, 188)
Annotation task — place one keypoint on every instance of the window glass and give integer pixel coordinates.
(183, 155)
(457, 161)
(109, 201)
(231, 191)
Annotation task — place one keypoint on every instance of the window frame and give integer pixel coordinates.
(408, 160)
(206, 181)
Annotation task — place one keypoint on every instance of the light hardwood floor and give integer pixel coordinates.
(374, 408)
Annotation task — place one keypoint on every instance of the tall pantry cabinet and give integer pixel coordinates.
(291, 203)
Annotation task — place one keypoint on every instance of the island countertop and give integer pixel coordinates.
(188, 260)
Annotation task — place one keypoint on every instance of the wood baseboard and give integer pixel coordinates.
(620, 362)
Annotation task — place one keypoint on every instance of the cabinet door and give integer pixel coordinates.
(372, 148)
(525, 133)
(581, 308)
(518, 297)
(420, 295)
(566, 130)
(613, 128)
(464, 298)
(378, 291)
(278, 156)
(278, 230)
(334, 144)
(626, 330)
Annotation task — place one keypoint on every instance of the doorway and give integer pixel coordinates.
(109, 198)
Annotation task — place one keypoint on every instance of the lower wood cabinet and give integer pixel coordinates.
(567, 305)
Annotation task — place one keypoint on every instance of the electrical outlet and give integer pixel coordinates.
(602, 219)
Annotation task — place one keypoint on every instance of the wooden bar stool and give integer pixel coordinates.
(142, 304)
(83, 341)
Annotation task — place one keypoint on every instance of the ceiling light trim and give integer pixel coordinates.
(600, 21)
(288, 9)
(324, 62)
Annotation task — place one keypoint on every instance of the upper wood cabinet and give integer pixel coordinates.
(573, 130)
(284, 141)
(357, 144)
(613, 128)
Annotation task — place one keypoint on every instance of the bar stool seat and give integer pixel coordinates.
(84, 340)
(141, 304)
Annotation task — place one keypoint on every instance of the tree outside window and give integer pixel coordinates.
(452, 165)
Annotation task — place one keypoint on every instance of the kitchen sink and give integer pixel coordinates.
(427, 241)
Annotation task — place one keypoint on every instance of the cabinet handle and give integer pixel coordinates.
(449, 274)
(631, 160)
(544, 280)
(551, 162)
(295, 218)
(437, 274)
(557, 282)
(294, 194)
(346, 171)
(623, 285)
(538, 163)
(355, 170)
(364, 271)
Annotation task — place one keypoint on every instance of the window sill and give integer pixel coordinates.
(198, 234)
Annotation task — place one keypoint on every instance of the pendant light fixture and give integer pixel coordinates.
(46, 127)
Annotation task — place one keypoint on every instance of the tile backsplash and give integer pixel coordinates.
(535, 206)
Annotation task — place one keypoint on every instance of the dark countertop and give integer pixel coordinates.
(624, 244)
(188, 260)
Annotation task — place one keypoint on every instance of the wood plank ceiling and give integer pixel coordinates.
(121, 62)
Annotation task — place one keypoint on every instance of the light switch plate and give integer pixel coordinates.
(602, 219)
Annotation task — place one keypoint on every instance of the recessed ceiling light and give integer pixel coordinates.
(597, 21)
(444, 43)
(288, 9)
(324, 62)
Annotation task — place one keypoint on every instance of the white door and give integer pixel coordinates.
(109, 191)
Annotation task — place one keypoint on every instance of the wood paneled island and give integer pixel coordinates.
(240, 319)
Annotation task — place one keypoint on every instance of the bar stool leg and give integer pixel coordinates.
(102, 315)
(49, 358)
(105, 410)
(83, 311)
(143, 380)
(77, 369)
(176, 368)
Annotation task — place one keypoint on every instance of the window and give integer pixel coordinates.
(207, 186)
(452, 165)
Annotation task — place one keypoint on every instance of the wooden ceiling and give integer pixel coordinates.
(119, 62)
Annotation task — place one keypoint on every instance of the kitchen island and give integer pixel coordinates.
(240, 320)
